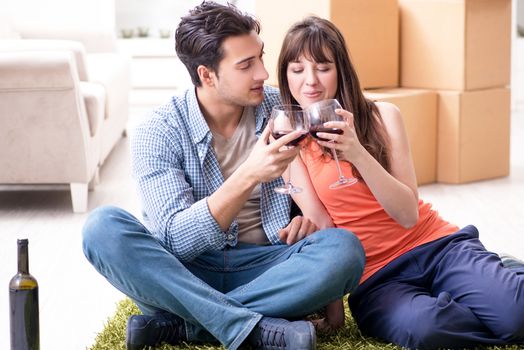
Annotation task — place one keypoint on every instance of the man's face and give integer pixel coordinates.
(241, 73)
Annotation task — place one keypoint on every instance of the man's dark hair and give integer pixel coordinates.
(200, 35)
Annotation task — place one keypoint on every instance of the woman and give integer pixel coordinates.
(427, 283)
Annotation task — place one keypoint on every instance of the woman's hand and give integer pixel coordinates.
(346, 144)
(299, 228)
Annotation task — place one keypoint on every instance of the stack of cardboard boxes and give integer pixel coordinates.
(462, 49)
(444, 63)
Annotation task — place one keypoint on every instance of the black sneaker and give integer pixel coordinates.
(277, 333)
(145, 330)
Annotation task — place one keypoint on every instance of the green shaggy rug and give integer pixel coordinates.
(112, 337)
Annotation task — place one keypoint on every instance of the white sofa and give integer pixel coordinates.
(63, 107)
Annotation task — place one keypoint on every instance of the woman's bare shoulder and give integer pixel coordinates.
(387, 109)
(390, 113)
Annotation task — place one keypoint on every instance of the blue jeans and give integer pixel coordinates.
(449, 293)
(222, 294)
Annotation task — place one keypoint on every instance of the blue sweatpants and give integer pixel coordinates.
(450, 293)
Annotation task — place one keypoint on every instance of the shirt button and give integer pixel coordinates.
(230, 237)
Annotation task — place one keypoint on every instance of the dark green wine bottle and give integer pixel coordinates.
(23, 304)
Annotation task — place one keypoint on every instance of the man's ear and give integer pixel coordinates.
(206, 75)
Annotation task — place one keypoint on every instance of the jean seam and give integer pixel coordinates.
(216, 293)
(308, 241)
(240, 268)
(144, 299)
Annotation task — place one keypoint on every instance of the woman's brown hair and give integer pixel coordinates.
(320, 41)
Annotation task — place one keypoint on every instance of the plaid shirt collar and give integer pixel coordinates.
(198, 127)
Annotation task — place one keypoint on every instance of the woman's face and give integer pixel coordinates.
(311, 81)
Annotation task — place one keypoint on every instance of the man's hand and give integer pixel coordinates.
(266, 161)
(298, 228)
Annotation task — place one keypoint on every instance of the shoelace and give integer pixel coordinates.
(170, 331)
(272, 336)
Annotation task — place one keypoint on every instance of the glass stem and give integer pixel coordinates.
(335, 156)
(289, 184)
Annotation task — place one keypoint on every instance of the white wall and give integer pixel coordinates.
(520, 12)
(62, 13)
(161, 14)
(4, 19)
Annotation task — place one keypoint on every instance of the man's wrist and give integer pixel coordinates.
(247, 174)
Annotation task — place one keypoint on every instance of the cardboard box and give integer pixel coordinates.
(370, 28)
(419, 111)
(473, 135)
(455, 44)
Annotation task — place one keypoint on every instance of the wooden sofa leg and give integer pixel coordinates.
(79, 196)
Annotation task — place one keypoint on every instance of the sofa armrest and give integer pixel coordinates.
(76, 47)
(44, 136)
(102, 40)
(94, 99)
(42, 70)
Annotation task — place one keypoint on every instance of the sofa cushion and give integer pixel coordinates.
(112, 71)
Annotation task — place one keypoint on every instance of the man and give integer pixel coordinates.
(219, 258)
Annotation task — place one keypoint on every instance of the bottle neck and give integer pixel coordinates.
(23, 257)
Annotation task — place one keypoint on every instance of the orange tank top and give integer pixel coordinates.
(356, 209)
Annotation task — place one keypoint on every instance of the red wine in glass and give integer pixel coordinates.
(294, 142)
(284, 120)
(319, 113)
(313, 130)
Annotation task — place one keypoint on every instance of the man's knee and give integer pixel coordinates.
(353, 245)
(346, 252)
(347, 248)
(99, 227)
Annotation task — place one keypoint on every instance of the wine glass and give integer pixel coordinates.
(284, 120)
(319, 113)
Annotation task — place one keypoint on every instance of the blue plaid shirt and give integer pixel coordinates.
(176, 169)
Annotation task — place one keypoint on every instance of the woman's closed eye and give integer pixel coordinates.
(295, 68)
(319, 68)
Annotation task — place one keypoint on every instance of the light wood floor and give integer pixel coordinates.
(75, 300)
